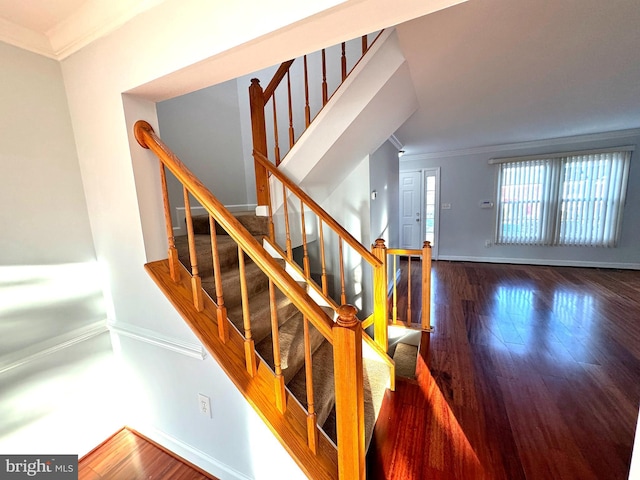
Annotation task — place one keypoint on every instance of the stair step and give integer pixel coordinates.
(405, 358)
(257, 226)
(323, 383)
(227, 253)
(256, 281)
(376, 382)
(260, 313)
(291, 335)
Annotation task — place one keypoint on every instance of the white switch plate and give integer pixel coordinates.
(446, 206)
(204, 405)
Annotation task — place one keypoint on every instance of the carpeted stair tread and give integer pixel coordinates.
(256, 281)
(227, 253)
(323, 383)
(260, 313)
(257, 226)
(291, 335)
(405, 357)
(376, 381)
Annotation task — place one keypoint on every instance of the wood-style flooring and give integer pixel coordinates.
(535, 374)
(127, 455)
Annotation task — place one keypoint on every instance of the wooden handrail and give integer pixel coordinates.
(404, 251)
(277, 78)
(147, 138)
(318, 210)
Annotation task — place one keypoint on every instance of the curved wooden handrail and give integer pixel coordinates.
(277, 78)
(318, 210)
(147, 138)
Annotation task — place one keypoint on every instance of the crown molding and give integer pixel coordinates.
(93, 20)
(25, 38)
(492, 149)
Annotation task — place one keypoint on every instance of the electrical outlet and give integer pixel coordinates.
(204, 405)
(487, 243)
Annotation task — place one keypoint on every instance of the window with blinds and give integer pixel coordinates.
(574, 198)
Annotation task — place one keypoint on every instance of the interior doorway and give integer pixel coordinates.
(419, 199)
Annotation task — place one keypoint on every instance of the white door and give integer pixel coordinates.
(411, 209)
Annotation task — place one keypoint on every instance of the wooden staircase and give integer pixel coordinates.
(291, 330)
(301, 359)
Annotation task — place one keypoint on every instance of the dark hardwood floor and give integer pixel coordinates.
(535, 374)
(129, 456)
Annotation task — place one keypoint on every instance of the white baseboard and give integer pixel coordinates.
(190, 349)
(51, 346)
(539, 261)
(180, 228)
(192, 454)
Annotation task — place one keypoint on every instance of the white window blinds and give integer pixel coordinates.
(570, 199)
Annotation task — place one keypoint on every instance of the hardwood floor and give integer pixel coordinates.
(535, 375)
(129, 456)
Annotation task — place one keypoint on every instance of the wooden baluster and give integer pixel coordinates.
(223, 330)
(272, 228)
(426, 287)
(307, 109)
(275, 334)
(196, 282)
(325, 96)
(249, 346)
(259, 135)
(173, 251)
(364, 44)
(291, 132)
(343, 295)
(305, 254)
(276, 148)
(395, 290)
(323, 264)
(344, 61)
(312, 431)
(380, 301)
(285, 206)
(409, 292)
(347, 355)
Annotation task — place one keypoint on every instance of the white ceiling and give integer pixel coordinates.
(486, 72)
(58, 28)
(490, 72)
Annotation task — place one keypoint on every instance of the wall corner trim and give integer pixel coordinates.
(51, 346)
(190, 349)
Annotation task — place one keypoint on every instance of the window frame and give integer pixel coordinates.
(550, 225)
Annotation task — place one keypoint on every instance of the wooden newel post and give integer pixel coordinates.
(347, 364)
(380, 304)
(259, 132)
(426, 287)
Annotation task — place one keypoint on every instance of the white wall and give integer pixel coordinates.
(52, 309)
(178, 47)
(467, 179)
(203, 129)
(349, 206)
(384, 178)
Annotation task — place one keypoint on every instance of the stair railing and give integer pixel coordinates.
(423, 256)
(285, 188)
(260, 99)
(345, 334)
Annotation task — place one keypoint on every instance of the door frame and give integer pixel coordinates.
(436, 216)
(436, 220)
